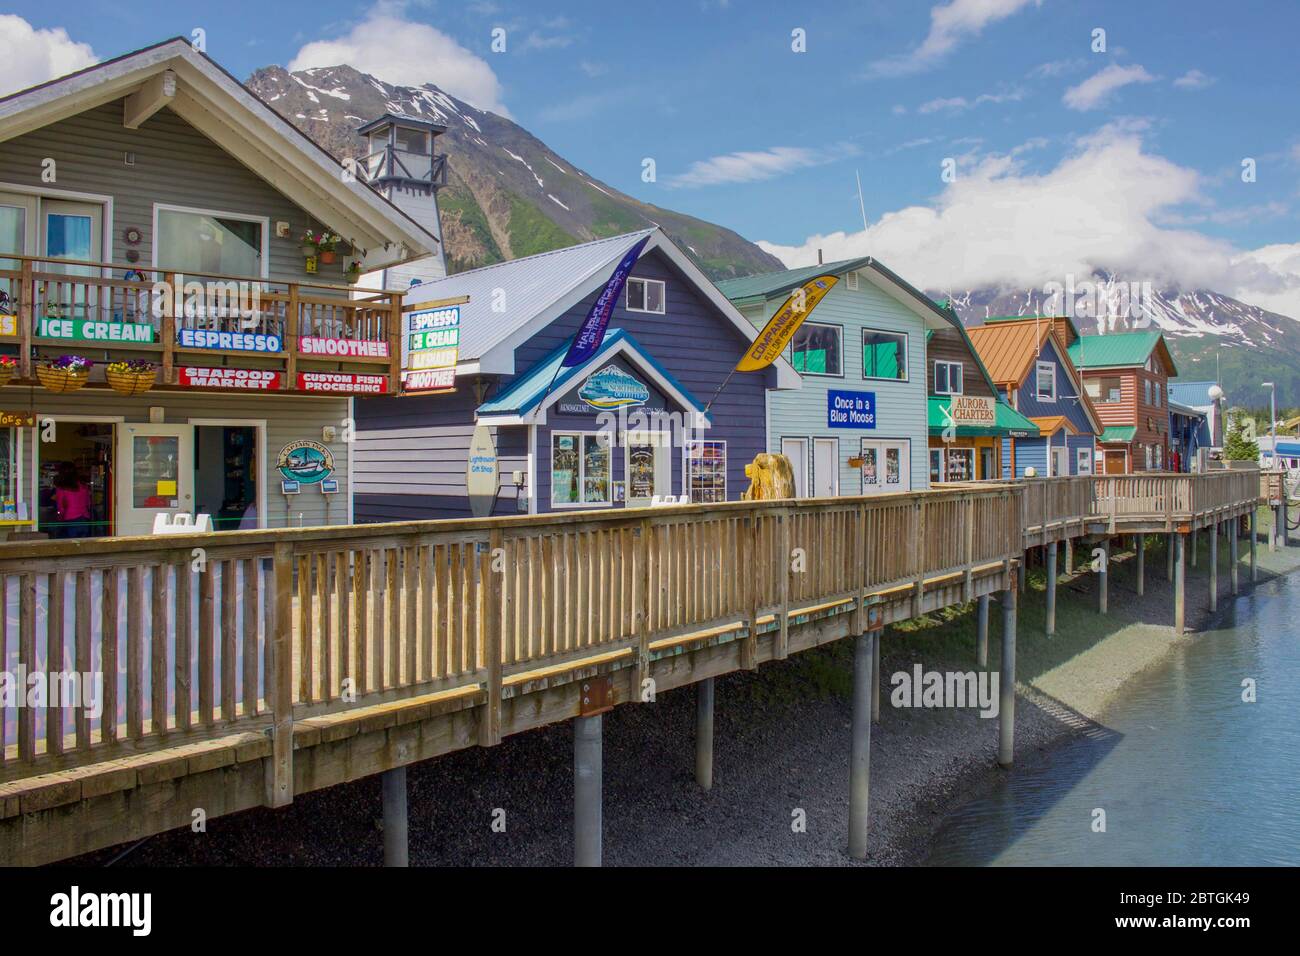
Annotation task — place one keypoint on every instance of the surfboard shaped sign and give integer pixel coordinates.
(612, 387)
(481, 473)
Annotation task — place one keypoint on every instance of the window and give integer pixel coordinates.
(936, 465)
(884, 355)
(1146, 390)
(706, 471)
(816, 349)
(1045, 376)
(645, 295)
(947, 378)
(10, 457)
(195, 241)
(413, 141)
(959, 464)
(1104, 389)
(1155, 391)
(1084, 457)
(579, 469)
(851, 281)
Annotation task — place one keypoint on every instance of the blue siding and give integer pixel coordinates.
(1032, 452)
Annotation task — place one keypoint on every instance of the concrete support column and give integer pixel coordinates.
(1233, 552)
(1069, 556)
(1272, 532)
(1169, 556)
(860, 749)
(1020, 571)
(982, 633)
(1286, 529)
(588, 808)
(1254, 569)
(704, 734)
(1141, 564)
(1103, 579)
(1180, 583)
(396, 846)
(1051, 589)
(1214, 567)
(876, 638)
(1196, 545)
(1007, 681)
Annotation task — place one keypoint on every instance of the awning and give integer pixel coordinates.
(1007, 422)
(1051, 424)
(525, 402)
(1118, 434)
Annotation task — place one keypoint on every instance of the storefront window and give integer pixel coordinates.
(893, 468)
(884, 355)
(8, 474)
(580, 469)
(961, 464)
(706, 471)
(816, 349)
(936, 464)
(155, 470)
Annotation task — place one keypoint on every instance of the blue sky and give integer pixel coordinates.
(1063, 155)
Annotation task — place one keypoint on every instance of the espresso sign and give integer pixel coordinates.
(227, 341)
(240, 379)
(973, 410)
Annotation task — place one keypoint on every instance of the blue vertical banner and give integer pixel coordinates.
(592, 331)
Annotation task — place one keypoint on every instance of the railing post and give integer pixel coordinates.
(492, 581)
(395, 344)
(641, 582)
(26, 318)
(279, 776)
(169, 330)
(918, 559)
(292, 325)
(783, 635)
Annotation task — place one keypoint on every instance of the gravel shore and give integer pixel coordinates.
(781, 747)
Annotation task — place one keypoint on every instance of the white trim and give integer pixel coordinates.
(835, 469)
(1039, 366)
(40, 192)
(265, 222)
(907, 355)
(537, 416)
(839, 327)
(582, 472)
(961, 373)
(263, 452)
(686, 466)
(804, 468)
(533, 490)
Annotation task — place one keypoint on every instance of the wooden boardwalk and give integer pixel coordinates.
(249, 667)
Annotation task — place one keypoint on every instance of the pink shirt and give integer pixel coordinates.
(72, 504)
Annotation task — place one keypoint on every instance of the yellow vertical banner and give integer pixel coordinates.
(780, 329)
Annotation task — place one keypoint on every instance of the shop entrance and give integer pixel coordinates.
(225, 475)
(75, 480)
(155, 474)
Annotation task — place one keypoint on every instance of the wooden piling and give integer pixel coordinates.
(1051, 589)
(1141, 564)
(1214, 567)
(1234, 573)
(1180, 584)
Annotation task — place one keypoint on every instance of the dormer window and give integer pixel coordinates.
(645, 295)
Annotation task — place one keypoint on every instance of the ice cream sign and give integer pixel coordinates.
(430, 350)
(84, 330)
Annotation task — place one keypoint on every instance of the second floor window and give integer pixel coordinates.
(947, 378)
(884, 355)
(645, 295)
(1105, 389)
(1045, 376)
(816, 349)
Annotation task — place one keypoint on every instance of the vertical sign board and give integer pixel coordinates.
(481, 472)
(430, 348)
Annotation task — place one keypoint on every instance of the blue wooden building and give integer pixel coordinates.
(624, 427)
(1028, 358)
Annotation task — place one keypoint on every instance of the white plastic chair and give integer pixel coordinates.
(181, 523)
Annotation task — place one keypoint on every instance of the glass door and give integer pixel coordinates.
(155, 474)
(17, 214)
(886, 466)
(71, 230)
(646, 467)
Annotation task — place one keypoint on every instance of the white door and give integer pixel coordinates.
(826, 467)
(18, 236)
(1060, 462)
(886, 466)
(647, 467)
(155, 474)
(796, 449)
(71, 230)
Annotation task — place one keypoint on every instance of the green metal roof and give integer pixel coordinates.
(768, 284)
(1007, 422)
(1115, 349)
(1117, 433)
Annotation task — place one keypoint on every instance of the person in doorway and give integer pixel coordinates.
(72, 503)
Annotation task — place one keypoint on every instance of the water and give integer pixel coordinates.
(1190, 775)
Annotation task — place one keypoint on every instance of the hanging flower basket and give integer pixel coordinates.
(67, 373)
(131, 378)
(8, 366)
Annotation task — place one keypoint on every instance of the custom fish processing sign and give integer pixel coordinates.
(481, 473)
(846, 409)
(430, 350)
(612, 387)
(305, 461)
(87, 330)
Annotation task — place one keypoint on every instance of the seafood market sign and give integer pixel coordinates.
(609, 388)
(305, 461)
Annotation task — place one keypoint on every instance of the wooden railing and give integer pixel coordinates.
(206, 636)
(120, 295)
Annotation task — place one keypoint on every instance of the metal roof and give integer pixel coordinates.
(768, 284)
(1193, 394)
(1120, 350)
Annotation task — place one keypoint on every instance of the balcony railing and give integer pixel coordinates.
(51, 306)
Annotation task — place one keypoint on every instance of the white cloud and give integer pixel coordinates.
(1193, 80)
(1001, 226)
(33, 56)
(957, 104)
(387, 45)
(950, 23)
(756, 165)
(1096, 89)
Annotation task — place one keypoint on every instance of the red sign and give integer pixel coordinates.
(342, 348)
(243, 379)
(345, 382)
(434, 379)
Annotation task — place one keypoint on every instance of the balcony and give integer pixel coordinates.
(201, 330)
